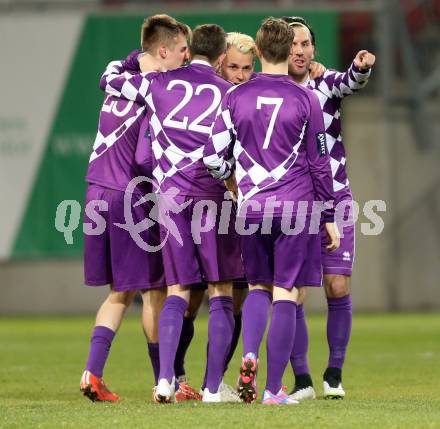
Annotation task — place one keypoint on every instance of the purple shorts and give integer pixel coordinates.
(196, 255)
(282, 260)
(114, 257)
(341, 260)
(240, 283)
(236, 284)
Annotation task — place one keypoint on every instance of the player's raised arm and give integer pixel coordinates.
(220, 144)
(318, 157)
(122, 80)
(355, 78)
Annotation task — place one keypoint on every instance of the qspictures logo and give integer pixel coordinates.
(159, 212)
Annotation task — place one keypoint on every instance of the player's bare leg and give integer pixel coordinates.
(238, 297)
(220, 330)
(255, 316)
(280, 339)
(108, 320)
(298, 359)
(112, 310)
(337, 288)
(153, 300)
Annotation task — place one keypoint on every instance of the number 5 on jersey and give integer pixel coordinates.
(277, 102)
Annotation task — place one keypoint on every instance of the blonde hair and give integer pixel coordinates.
(242, 42)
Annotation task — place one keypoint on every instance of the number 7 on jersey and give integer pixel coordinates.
(277, 102)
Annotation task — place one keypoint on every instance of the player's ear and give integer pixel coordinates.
(258, 52)
(187, 55)
(220, 59)
(163, 51)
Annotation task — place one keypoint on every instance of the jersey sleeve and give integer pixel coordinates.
(338, 84)
(318, 157)
(117, 81)
(217, 154)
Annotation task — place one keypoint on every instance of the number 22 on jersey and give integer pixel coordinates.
(195, 125)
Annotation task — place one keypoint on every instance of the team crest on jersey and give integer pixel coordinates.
(320, 141)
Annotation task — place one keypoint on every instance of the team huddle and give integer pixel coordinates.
(235, 159)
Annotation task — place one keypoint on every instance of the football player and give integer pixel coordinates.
(331, 87)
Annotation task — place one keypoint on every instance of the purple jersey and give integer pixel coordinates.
(112, 162)
(143, 155)
(276, 131)
(331, 88)
(183, 103)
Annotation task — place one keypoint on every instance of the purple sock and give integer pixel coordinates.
(170, 327)
(298, 358)
(280, 339)
(255, 315)
(234, 341)
(220, 328)
(100, 343)
(153, 351)
(185, 340)
(338, 329)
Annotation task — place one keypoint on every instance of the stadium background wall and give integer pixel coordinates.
(48, 118)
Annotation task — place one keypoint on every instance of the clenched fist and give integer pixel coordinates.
(364, 60)
(316, 70)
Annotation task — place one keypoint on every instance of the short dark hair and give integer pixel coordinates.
(208, 40)
(185, 30)
(159, 29)
(274, 40)
(297, 21)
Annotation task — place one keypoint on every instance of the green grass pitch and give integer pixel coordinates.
(392, 379)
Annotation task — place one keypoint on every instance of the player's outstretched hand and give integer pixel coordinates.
(231, 185)
(316, 70)
(364, 60)
(148, 63)
(333, 235)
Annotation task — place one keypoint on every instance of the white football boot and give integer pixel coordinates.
(224, 393)
(304, 394)
(333, 392)
(164, 392)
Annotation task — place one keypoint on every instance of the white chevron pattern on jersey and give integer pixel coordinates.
(169, 157)
(257, 174)
(105, 143)
(331, 88)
